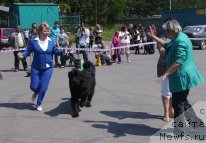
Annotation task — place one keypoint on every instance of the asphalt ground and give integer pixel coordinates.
(127, 105)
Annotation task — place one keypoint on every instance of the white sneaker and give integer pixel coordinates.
(38, 108)
(33, 97)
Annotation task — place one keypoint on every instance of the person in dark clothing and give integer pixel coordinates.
(98, 34)
(91, 37)
(33, 32)
(136, 38)
(132, 33)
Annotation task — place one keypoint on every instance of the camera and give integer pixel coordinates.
(82, 29)
(125, 36)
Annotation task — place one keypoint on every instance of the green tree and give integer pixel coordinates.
(111, 11)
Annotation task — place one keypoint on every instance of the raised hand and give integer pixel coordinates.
(153, 30)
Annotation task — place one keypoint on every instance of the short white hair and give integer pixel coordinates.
(172, 25)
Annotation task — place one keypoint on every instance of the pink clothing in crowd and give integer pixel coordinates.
(116, 41)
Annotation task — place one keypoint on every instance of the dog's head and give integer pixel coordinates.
(80, 80)
(89, 66)
(76, 78)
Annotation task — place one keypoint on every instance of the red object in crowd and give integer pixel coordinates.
(153, 30)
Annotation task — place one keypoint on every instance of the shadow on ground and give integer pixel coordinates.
(122, 129)
(7, 70)
(128, 114)
(19, 106)
(62, 108)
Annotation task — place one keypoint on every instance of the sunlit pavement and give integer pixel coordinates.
(127, 105)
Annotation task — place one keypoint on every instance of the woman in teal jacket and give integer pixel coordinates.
(181, 71)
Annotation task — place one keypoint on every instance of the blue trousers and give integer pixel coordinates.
(40, 82)
(105, 59)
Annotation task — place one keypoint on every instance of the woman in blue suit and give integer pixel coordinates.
(182, 73)
(42, 66)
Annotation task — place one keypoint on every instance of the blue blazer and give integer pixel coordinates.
(41, 58)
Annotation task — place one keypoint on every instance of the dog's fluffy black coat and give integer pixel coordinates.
(82, 86)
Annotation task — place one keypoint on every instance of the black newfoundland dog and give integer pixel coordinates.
(82, 85)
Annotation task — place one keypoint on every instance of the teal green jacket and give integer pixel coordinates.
(179, 50)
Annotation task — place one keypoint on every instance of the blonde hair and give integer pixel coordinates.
(43, 25)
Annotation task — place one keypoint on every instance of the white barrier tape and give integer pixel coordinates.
(197, 39)
(133, 45)
(86, 49)
(113, 48)
(96, 49)
(11, 49)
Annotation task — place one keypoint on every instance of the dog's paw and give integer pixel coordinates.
(88, 104)
(82, 104)
(75, 115)
(79, 110)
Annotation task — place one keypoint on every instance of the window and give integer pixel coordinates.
(193, 29)
(7, 32)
